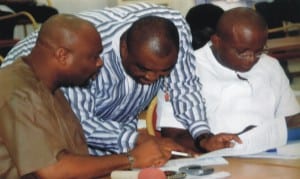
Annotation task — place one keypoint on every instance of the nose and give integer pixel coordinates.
(152, 76)
(251, 56)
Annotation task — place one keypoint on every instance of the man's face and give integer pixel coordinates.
(146, 67)
(241, 51)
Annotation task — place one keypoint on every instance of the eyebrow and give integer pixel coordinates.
(147, 69)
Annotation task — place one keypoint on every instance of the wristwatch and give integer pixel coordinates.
(130, 159)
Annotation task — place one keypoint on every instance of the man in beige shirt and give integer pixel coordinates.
(39, 134)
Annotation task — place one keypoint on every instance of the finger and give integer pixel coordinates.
(159, 162)
(228, 144)
(167, 154)
(237, 139)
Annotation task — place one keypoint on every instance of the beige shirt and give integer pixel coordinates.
(35, 125)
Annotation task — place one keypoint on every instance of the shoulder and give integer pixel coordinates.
(16, 79)
(204, 53)
(269, 63)
(130, 11)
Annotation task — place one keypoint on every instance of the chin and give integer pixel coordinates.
(145, 82)
(86, 83)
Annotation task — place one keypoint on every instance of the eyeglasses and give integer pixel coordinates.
(250, 54)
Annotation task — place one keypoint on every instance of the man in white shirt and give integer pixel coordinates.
(241, 85)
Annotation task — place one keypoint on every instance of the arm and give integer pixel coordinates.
(170, 127)
(18, 124)
(293, 121)
(103, 136)
(203, 143)
(184, 87)
(79, 166)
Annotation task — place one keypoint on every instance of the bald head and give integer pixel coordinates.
(69, 48)
(237, 19)
(149, 49)
(240, 38)
(158, 34)
(61, 31)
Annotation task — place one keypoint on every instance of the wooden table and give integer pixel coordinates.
(243, 168)
(250, 168)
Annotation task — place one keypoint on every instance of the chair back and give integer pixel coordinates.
(151, 118)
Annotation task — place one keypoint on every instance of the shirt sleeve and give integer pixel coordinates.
(104, 136)
(287, 103)
(184, 86)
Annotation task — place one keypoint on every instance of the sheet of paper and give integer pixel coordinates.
(266, 136)
(289, 151)
(272, 155)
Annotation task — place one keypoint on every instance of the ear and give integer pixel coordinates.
(123, 49)
(215, 39)
(61, 55)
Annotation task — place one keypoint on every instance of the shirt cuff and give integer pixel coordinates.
(127, 140)
(197, 128)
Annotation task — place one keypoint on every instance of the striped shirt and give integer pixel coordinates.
(109, 106)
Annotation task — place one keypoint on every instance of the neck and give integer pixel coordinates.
(38, 68)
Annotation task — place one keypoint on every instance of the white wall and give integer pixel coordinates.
(71, 6)
(182, 5)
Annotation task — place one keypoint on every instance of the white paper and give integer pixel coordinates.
(288, 151)
(271, 155)
(269, 135)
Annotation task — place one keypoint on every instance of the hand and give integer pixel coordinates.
(168, 145)
(219, 141)
(148, 154)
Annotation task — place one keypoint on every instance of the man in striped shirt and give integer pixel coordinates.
(108, 107)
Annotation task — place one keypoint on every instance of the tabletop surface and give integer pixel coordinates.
(261, 168)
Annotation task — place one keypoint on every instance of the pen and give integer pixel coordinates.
(182, 154)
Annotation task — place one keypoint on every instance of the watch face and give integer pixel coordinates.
(196, 170)
(174, 175)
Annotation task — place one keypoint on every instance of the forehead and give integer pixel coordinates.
(89, 40)
(241, 35)
(149, 60)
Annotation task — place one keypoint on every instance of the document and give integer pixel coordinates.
(289, 151)
(271, 134)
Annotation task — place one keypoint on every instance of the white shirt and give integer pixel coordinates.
(264, 94)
